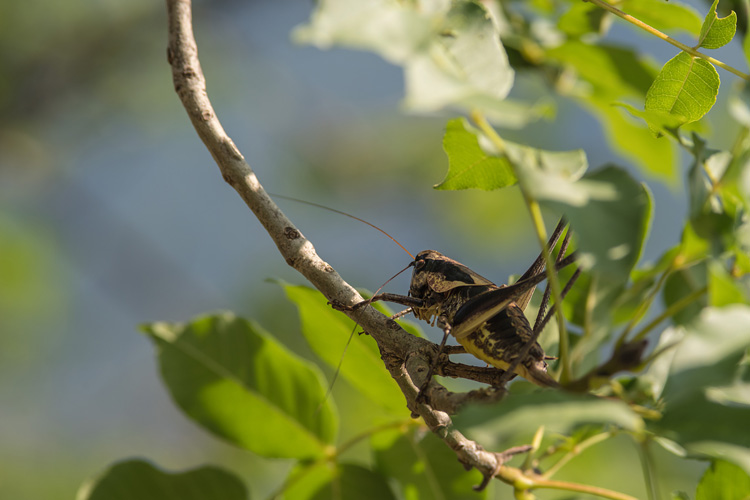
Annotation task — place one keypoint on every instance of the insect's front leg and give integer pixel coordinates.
(446, 327)
(387, 297)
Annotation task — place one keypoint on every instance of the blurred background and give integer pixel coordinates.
(113, 214)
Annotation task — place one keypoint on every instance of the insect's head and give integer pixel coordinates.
(423, 264)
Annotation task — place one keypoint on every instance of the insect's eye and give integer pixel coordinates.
(419, 264)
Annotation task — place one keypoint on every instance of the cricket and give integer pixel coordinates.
(486, 319)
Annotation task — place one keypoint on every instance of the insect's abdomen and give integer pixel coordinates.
(498, 341)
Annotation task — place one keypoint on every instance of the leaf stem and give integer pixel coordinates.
(671, 311)
(649, 474)
(644, 306)
(343, 447)
(523, 483)
(541, 233)
(690, 50)
(577, 449)
(582, 488)
(339, 450)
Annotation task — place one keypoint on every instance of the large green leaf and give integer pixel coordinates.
(560, 412)
(612, 72)
(335, 481)
(235, 380)
(423, 466)
(701, 413)
(133, 479)
(724, 481)
(450, 51)
(686, 87)
(610, 213)
(717, 31)
(328, 331)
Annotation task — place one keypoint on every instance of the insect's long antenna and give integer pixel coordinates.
(346, 214)
(389, 280)
(351, 336)
(338, 369)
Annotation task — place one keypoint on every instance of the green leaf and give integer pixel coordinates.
(613, 72)
(450, 51)
(236, 381)
(722, 289)
(335, 481)
(610, 213)
(559, 412)
(717, 31)
(663, 16)
(724, 481)
(328, 331)
(423, 466)
(582, 18)
(475, 163)
(709, 352)
(139, 479)
(705, 362)
(659, 122)
(686, 87)
(739, 455)
(468, 165)
(394, 30)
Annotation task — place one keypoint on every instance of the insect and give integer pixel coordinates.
(486, 319)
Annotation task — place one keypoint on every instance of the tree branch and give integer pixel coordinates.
(190, 85)
(406, 357)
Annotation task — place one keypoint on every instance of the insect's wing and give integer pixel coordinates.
(445, 274)
(483, 307)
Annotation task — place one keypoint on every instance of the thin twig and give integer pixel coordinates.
(690, 50)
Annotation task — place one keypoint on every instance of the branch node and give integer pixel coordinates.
(291, 233)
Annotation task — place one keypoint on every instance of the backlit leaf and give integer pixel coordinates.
(717, 31)
(469, 166)
(686, 87)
